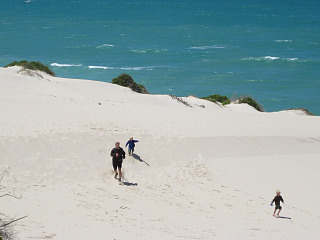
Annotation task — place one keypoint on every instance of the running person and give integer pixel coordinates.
(117, 155)
(131, 144)
(277, 199)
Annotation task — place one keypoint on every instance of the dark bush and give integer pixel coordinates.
(32, 66)
(250, 101)
(218, 98)
(126, 80)
(5, 232)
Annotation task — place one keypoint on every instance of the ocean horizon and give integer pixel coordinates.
(268, 50)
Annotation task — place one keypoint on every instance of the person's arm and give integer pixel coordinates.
(123, 154)
(127, 143)
(113, 153)
(136, 140)
(281, 199)
(273, 201)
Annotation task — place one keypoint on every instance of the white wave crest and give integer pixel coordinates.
(122, 68)
(207, 47)
(141, 51)
(269, 58)
(105, 45)
(137, 68)
(283, 40)
(138, 51)
(65, 65)
(292, 59)
(100, 67)
(160, 50)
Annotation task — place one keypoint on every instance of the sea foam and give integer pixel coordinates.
(138, 51)
(283, 40)
(137, 68)
(271, 58)
(65, 65)
(147, 50)
(268, 58)
(207, 47)
(100, 67)
(122, 68)
(105, 45)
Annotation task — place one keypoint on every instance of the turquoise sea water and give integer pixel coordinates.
(266, 49)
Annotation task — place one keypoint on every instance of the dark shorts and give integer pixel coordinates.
(131, 150)
(278, 207)
(116, 164)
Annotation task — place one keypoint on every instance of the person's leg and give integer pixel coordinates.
(115, 169)
(119, 170)
(120, 173)
(274, 213)
(279, 211)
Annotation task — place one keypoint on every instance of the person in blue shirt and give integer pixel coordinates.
(131, 144)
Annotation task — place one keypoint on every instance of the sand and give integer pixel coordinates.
(202, 171)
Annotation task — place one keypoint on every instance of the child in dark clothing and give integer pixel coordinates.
(277, 200)
(131, 144)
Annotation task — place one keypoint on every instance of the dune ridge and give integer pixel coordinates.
(202, 172)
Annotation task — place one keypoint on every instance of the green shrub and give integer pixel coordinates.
(32, 66)
(126, 80)
(250, 101)
(218, 98)
(226, 102)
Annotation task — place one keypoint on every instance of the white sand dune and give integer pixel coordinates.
(200, 172)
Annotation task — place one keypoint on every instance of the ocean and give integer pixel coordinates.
(269, 50)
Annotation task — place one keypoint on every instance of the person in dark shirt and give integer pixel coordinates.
(117, 155)
(277, 199)
(131, 144)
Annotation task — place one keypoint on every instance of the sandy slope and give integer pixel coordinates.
(199, 173)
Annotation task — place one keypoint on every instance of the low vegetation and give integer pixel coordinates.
(6, 231)
(32, 66)
(250, 101)
(218, 98)
(126, 80)
(224, 100)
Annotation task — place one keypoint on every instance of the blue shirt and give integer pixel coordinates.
(131, 143)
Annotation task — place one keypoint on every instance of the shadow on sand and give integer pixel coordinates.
(137, 157)
(284, 217)
(130, 184)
